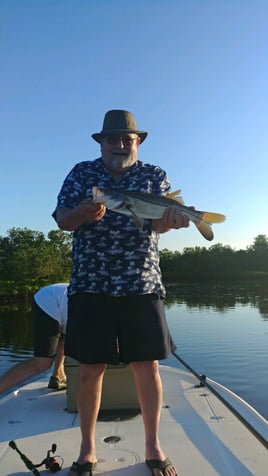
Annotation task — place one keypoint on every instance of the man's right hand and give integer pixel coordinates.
(71, 218)
(91, 211)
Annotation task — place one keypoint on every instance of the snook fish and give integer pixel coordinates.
(146, 205)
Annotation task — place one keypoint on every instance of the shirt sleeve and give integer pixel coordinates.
(72, 191)
(161, 183)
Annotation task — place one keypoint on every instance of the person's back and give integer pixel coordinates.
(53, 300)
(49, 310)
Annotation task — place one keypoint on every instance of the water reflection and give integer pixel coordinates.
(218, 296)
(16, 332)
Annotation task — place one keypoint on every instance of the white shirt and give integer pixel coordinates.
(53, 300)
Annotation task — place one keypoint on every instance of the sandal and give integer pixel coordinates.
(159, 464)
(84, 469)
(57, 383)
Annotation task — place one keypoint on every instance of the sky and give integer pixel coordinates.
(193, 72)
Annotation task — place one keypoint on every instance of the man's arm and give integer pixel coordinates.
(71, 218)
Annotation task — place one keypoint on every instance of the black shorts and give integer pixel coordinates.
(46, 332)
(106, 329)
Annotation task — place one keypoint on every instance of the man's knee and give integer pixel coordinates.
(87, 371)
(146, 367)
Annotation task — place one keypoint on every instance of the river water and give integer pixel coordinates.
(220, 331)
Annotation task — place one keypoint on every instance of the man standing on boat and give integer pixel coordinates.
(49, 310)
(116, 311)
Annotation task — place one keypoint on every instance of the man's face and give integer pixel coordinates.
(119, 151)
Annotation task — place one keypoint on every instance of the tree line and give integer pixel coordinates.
(30, 259)
(217, 262)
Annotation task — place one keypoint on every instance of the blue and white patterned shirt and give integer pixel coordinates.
(112, 256)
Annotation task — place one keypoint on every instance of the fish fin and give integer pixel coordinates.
(175, 196)
(210, 217)
(137, 220)
(204, 225)
(205, 230)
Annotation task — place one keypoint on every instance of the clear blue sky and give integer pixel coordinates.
(193, 72)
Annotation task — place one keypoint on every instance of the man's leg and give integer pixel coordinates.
(149, 391)
(58, 370)
(48, 341)
(58, 379)
(90, 379)
(24, 370)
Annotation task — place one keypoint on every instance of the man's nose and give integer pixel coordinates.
(120, 143)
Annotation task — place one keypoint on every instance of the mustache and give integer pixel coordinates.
(120, 152)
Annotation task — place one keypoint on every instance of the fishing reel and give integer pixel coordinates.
(52, 463)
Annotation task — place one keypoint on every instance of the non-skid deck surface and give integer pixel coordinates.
(198, 433)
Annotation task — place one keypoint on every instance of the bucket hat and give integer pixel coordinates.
(117, 121)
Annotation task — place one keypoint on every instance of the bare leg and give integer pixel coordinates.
(149, 391)
(24, 370)
(90, 379)
(58, 370)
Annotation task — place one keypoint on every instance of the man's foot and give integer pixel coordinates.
(84, 469)
(161, 467)
(57, 383)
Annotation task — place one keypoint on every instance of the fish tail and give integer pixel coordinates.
(210, 217)
(204, 224)
(205, 230)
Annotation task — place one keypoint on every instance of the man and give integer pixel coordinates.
(116, 310)
(49, 310)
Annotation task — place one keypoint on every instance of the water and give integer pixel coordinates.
(220, 331)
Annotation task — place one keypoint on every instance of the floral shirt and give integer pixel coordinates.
(112, 256)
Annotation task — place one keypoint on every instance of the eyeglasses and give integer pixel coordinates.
(114, 139)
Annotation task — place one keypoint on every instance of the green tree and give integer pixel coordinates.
(28, 259)
(60, 246)
(260, 245)
(258, 254)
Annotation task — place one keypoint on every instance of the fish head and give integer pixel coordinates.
(112, 199)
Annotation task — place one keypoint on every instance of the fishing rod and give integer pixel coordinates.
(204, 383)
(50, 462)
(28, 463)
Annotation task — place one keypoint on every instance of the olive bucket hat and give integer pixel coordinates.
(119, 122)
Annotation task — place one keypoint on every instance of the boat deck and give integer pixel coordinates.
(198, 433)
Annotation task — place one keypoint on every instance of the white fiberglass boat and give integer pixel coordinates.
(205, 430)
